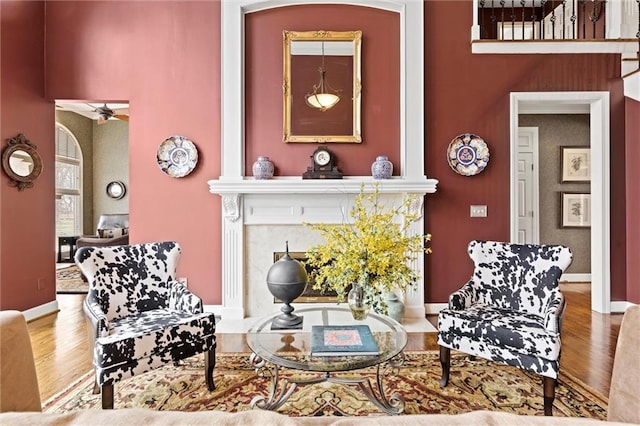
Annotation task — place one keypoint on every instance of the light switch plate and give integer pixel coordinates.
(478, 211)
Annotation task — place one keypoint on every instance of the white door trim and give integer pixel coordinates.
(596, 104)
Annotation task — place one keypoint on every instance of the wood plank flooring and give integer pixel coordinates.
(588, 342)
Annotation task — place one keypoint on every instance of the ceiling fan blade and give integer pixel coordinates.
(122, 117)
(101, 120)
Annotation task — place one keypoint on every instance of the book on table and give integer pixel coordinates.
(342, 340)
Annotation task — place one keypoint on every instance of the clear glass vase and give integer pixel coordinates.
(355, 298)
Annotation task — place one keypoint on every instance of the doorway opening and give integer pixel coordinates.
(92, 152)
(596, 105)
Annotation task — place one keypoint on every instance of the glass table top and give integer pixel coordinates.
(292, 348)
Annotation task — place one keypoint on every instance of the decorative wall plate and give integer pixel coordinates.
(177, 156)
(468, 154)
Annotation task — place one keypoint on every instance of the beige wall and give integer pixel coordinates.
(555, 131)
(110, 162)
(105, 155)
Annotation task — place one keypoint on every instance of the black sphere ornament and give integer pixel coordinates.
(287, 280)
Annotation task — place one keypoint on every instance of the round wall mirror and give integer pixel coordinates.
(21, 162)
(116, 189)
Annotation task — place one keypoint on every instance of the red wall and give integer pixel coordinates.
(632, 122)
(470, 93)
(27, 260)
(164, 58)
(380, 86)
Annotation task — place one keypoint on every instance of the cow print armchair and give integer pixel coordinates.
(139, 316)
(510, 311)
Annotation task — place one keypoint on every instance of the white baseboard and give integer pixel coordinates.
(435, 308)
(575, 278)
(619, 307)
(216, 309)
(40, 311)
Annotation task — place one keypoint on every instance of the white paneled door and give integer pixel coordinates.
(527, 164)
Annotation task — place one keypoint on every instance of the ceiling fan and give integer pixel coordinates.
(105, 113)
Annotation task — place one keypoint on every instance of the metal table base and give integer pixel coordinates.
(281, 389)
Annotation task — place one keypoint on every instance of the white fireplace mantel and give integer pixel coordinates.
(294, 184)
(308, 200)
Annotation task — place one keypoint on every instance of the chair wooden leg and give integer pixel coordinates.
(445, 362)
(209, 364)
(549, 394)
(96, 387)
(107, 397)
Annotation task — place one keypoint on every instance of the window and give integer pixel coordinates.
(68, 184)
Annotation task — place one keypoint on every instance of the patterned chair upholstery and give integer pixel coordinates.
(510, 311)
(139, 316)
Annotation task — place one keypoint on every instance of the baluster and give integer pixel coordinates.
(638, 33)
(502, 2)
(604, 20)
(564, 19)
(522, 4)
(553, 19)
(593, 18)
(533, 19)
(513, 20)
(574, 18)
(481, 17)
(542, 27)
(584, 18)
(597, 10)
(493, 19)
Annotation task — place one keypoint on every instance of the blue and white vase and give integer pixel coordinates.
(395, 306)
(263, 168)
(382, 168)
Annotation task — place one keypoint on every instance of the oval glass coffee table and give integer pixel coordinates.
(276, 349)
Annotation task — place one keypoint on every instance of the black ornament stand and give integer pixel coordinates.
(287, 320)
(287, 280)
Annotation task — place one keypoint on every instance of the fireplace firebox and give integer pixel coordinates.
(309, 295)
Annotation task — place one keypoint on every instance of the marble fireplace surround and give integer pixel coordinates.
(257, 211)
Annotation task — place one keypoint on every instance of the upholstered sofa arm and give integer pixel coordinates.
(98, 320)
(463, 298)
(553, 313)
(181, 299)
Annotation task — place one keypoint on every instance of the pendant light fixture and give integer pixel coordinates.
(323, 96)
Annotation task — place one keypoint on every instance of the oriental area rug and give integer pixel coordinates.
(69, 280)
(474, 384)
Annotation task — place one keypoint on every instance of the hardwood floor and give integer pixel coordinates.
(588, 342)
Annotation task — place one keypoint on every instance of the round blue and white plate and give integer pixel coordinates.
(468, 154)
(177, 156)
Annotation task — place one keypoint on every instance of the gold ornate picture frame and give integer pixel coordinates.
(304, 54)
